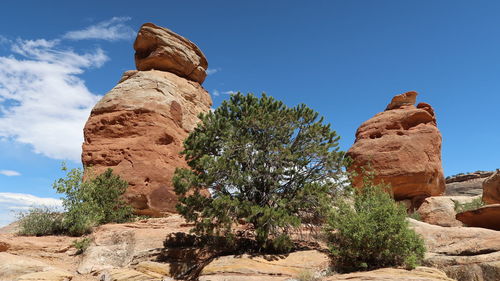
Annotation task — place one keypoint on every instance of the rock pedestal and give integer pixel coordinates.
(138, 128)
(402, 145)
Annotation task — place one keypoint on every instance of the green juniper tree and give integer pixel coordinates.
(266, 165)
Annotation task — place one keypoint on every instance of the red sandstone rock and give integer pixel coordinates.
(491, 189)
(403, 147)
(161, 49)
(485, 217)
(137, 129)
(408, 98)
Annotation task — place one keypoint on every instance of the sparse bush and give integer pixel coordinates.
(92, 202)
(415, 215)
(368, 230)
(464, 207)
(89, 203)
(82, 245)
(267, 166)
(40, 221)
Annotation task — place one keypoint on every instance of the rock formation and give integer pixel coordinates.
(487, 217)
(403, 147)
(161, 49)
(491, 189)
(470, 184)
(440, 210)
(137, 128)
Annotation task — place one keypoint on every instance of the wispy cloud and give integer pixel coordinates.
(217, 93)
(9, 173)
(110, 30)
(43, 102)
(211, 71)
(10, 203)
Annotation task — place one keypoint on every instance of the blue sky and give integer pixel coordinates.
(345, 59)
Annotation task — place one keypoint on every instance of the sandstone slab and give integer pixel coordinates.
(13, 266)
(464, 253)
(394, 274)
(52, 275)
(138, 128)
(403, 147)
(161, 49)
(487, 217)
(270, 267)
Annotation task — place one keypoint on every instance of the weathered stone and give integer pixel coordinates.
(394, 274)
(491, 189)
(161, 49)
(487, 217)
(126, 274)
(154, 269)
(440, 210)
(408, 98)
(13, 266)
(52, 275)
(403, 147)
(269, 267)
(137, 129)
(464, 253)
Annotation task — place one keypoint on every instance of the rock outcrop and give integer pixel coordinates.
(470, 184)
(138, 128)
(440, 210)
(464, 253)
(491, 189)
(394, 274)
(487, 217)
(403, 147)
(161, 49)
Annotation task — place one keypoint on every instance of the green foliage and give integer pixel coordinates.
(368, 230)
(82, 244)
(469, 206)
(40, 221)
(415, 215)
(307, 275)
(92, 202)
(266, 165)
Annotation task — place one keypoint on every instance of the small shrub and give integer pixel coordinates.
(92, 202)
(368, 230)
(464, 207)
(308, 275)
(82, 244)
(415, 215)
(40, 221)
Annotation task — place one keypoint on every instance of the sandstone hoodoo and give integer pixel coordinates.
(137, 128)
(402, 145)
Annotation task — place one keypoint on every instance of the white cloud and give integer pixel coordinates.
(42, 100)
(13, 203)
(211, 71)
(110, 30)
(217, 93)
(9, 173)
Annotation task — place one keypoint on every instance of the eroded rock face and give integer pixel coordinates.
(464, 253)
(440, 210)
(161, 49)
(487, 217)
(394, 274)
(491, 189)
(137, 129)
(403, 147)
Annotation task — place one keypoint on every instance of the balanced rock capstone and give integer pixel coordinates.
(402, 145)
(138, 127)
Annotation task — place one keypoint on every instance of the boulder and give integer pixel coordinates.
(491, 189)
(161, 49)
(138, 128)
(394, 274)
(403, 147)
(264, 267)
(464, 253)
(440, 210)
(486, 217)
(408, 98)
